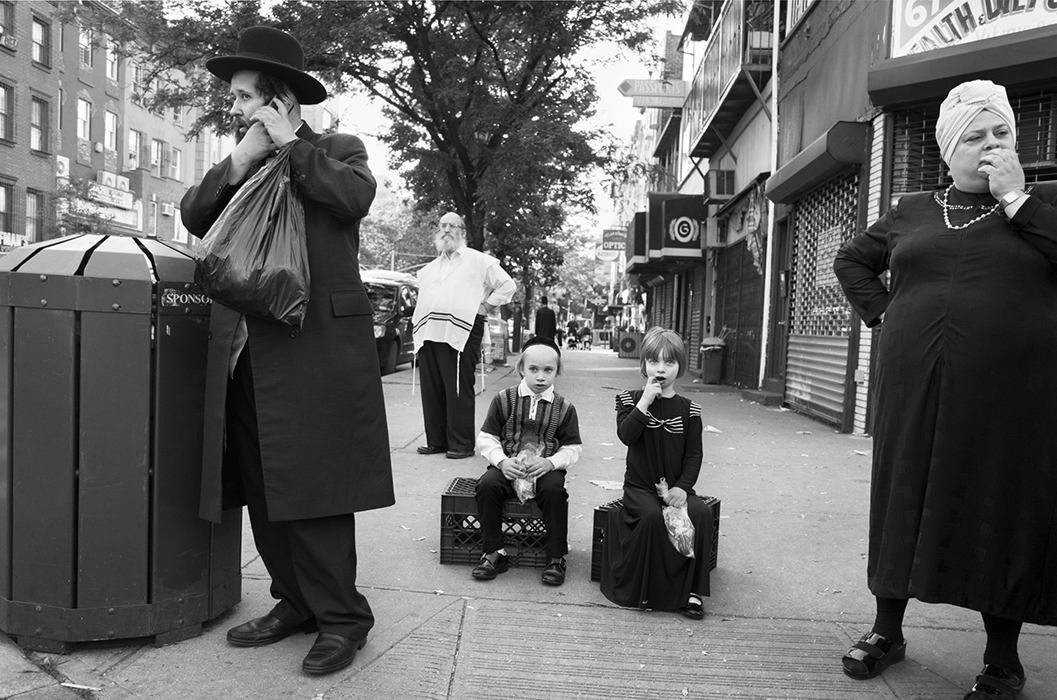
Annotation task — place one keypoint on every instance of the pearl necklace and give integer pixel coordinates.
(946, 207)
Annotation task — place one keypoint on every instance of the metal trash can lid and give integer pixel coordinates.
(94, 255)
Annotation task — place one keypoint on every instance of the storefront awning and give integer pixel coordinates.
(843, 145)
(636, 246)
(1011, 59)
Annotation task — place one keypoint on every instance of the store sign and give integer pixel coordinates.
(603, 255)
(109, 196)
(655, 93)
(924, 25)
(614, 239)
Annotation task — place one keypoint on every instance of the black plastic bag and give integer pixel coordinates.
(254, 258)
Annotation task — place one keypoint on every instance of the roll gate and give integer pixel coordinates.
(820, 316)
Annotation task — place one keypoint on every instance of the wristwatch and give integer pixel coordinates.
(1011, 197)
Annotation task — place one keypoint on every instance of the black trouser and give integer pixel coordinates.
(312, 562)
(447, 380)
(493, 488)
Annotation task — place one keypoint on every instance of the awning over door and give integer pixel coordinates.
(844, 144)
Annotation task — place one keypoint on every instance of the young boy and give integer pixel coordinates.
(531, 413)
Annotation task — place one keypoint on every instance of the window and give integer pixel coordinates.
(7, 110)
(110, 131)
(176, 164)
(84, 119)
(84, 47)
(135, 144)
(41, 42)
(7, 203)
(62, 101)
(34, 216)
(179, 234)
(178, 116)
(7, 19)
(38, 125)
(157, 150)
(139, 81)
(112, 60)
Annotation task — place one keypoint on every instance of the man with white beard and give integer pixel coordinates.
(457, 291)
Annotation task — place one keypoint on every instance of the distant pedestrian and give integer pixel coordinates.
(546, 322)
(531, 433)
(295, 418)
(662, 430)
(572, 333)
(963, 499)
(456, 291)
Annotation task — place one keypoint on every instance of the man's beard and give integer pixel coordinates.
(446, 244)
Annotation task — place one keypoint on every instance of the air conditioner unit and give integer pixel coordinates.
(719, 185)
(62, 167)
(9, 41)
(104, 177)
(168, 209)
(122, 183)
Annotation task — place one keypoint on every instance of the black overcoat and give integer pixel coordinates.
(320, 409)
(963, 503)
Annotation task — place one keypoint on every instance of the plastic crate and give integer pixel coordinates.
(598, 535)
(524, 535)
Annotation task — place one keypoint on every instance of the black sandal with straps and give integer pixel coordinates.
(996, 683)
(874, 653)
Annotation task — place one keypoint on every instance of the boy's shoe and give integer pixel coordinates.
(554, 574)
(491, 566)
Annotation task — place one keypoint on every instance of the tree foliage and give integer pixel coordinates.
(487, 99)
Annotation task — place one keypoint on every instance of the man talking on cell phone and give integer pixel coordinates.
(295, 425)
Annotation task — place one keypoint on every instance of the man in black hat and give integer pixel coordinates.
(295, 423)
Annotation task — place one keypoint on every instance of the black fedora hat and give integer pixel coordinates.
(276, 53)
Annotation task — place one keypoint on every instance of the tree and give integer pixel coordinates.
(486, 101)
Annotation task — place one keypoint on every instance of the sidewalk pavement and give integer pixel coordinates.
(788, 598)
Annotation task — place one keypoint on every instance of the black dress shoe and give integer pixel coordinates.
(330, 653)
(266, 630)
(554, 574)
(431, 449)
(491, 566)
(456, 454)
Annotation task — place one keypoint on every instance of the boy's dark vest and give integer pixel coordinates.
(520, 429)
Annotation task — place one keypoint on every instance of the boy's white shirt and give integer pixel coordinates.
(492, 449)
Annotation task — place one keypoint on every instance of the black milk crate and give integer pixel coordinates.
(598, 536)
(524, 535)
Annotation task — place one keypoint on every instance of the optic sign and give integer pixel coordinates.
(614, 239)
(923, 25)
(684, 229)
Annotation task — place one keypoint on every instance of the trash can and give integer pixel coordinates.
(712, 355)
(103, 346)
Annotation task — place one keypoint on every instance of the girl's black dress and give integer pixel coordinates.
(640, 566)
(963, 504)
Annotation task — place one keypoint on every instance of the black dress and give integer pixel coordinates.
(963, 503)
(640, 566)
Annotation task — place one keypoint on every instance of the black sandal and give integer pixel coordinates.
(694, 608)
(996, 683)
(874, 653)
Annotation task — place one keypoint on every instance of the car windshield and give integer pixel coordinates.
(383, 298)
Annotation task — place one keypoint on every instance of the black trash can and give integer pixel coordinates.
(102, 377)
(713, 351)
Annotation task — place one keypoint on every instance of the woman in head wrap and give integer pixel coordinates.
(963, 502)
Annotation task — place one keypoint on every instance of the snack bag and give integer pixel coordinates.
(524, 487)
(680, 527)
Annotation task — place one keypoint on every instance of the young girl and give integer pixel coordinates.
(640, 566)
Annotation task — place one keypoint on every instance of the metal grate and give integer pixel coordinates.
(825, 218)
(916, 162)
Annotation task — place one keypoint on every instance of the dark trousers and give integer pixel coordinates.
(312, 562)
(493, 488)
(447, 391)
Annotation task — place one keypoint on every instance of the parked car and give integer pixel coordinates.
(393, 296)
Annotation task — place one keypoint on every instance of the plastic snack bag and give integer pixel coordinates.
(524, 487)
(254, 258)
(680, 527)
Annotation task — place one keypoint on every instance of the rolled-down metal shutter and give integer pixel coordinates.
(820, 318)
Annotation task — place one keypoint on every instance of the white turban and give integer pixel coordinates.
(964, 104)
